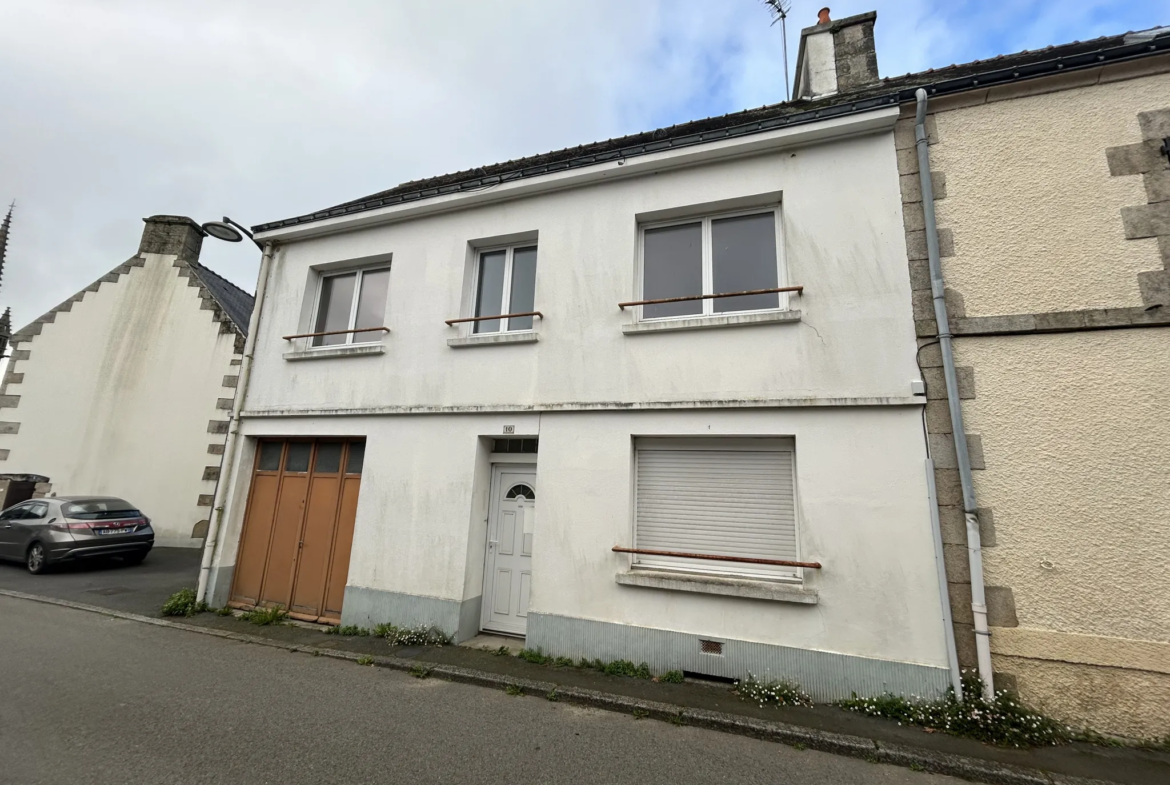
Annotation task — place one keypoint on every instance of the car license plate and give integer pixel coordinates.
(126, 530)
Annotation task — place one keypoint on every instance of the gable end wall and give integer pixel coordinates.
(107, 342)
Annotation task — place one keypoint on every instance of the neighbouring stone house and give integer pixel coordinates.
(1052, 191)
(125, 388)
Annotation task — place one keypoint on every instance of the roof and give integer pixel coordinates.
(231, 299)
(883, 93)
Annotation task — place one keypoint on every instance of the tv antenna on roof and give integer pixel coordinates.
(780, 9)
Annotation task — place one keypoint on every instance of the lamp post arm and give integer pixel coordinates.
(245, 230)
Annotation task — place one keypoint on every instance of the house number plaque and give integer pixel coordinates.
(509, 429)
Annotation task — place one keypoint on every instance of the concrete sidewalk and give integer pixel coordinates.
(713, 706)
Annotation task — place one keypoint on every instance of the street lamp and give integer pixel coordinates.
(229, 231)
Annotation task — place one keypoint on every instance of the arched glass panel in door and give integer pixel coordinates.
(521, 489)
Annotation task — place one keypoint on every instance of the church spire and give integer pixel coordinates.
(4, 226)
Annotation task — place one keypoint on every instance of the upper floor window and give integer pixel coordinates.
(712, 255)
(348, 302)
(505, 283)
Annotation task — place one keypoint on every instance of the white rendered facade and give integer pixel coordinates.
(826, 374)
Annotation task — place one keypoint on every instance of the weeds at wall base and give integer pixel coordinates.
(618, 668)
(266, 616)
(183, 603)
(420, 635)
(771, 693)
(1154, 745)
(1002, 720)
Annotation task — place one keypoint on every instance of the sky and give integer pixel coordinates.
(113, 110)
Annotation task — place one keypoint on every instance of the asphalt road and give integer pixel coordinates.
(85, 698)
(111, 584)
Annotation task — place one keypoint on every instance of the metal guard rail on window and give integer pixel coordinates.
(337, 332)
(490, 318)
(797, 289)
(812, 565)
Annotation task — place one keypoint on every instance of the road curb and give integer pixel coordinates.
(973, 769)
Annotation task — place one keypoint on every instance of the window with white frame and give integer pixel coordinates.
(349, 301)
(505, 283)
(719, 254)
(716, 497)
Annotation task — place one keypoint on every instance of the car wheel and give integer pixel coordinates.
(36, 559)
(131, 560)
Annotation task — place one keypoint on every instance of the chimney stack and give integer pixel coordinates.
(836, 56)
(176, 235)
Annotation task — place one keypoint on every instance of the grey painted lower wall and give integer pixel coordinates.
(369, 607)
(219, 583)
(825, 676)
(470, 615)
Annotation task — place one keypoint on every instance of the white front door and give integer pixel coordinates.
(507, 577)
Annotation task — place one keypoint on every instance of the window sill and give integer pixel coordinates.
(731, 587)
(709, 322)
(492, 339)
(359, 350)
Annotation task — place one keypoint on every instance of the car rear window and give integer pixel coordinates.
(99, 509)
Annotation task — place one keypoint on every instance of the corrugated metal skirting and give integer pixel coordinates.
(825, 676)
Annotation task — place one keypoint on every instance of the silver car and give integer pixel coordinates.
(42, 532)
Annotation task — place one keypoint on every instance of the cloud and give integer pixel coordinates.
(270, 108)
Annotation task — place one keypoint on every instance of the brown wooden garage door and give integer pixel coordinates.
(298, 528)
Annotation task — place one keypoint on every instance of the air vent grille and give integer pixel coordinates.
(711, 647)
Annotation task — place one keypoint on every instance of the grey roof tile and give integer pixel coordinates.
(234, 301)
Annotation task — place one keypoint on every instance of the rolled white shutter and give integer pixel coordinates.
(716, 502)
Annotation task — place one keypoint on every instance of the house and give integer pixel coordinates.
(1051, 180)
(765, 482)
(124, 389)
(652, 399)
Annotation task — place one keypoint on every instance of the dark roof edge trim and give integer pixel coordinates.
(975, 81)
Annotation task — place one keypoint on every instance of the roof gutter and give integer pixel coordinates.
(963, 456)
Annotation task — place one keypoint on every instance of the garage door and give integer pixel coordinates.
(298, 528)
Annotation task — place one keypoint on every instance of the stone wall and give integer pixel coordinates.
(1055, 259)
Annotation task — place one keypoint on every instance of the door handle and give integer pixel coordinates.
(493, 543)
